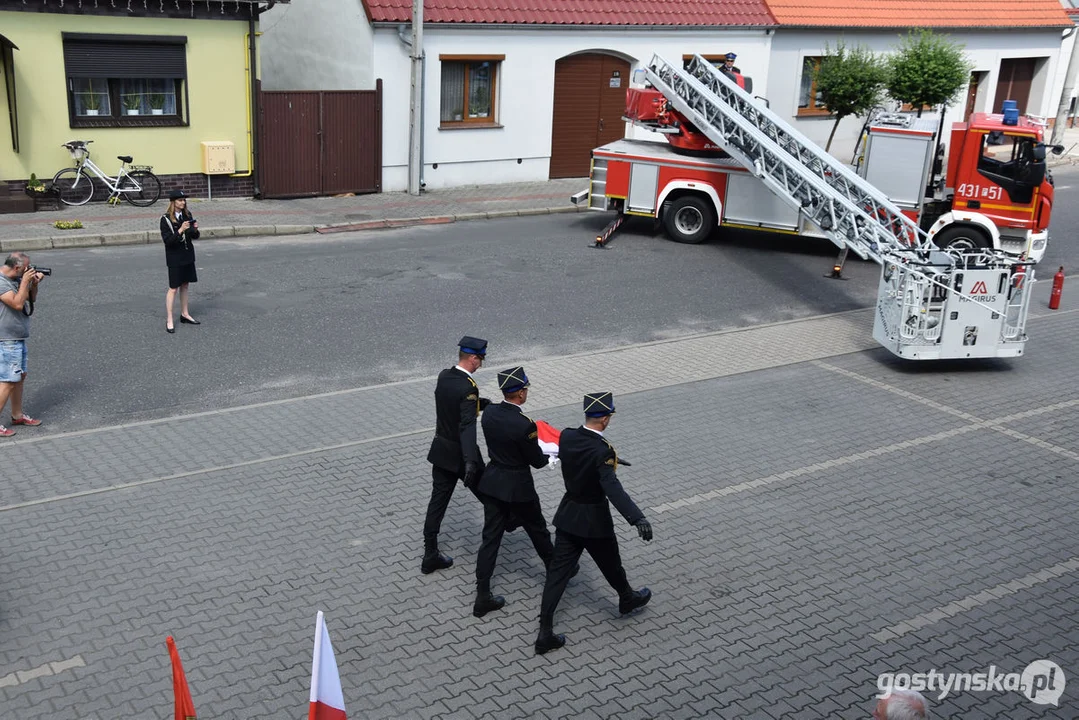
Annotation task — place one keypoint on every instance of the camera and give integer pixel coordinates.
(43, 271)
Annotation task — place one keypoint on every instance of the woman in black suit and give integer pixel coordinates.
(178, 229)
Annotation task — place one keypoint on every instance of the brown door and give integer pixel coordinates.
(1016, 77)
(972, 92)
(589, 102)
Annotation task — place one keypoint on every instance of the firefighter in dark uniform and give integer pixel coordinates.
(454, 453)
(728, 64)
(507, 487)
(583, 519)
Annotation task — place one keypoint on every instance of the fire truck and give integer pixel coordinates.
(956, 248)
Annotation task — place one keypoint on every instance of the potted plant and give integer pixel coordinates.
(45, 197)
(157, 104)
(92, 104)
(478, 106)
(132, 102)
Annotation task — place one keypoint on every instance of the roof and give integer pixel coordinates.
(578, 12)
(1001, 14)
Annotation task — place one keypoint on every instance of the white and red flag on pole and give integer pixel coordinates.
(185, 709)
(547, 437)
(327, 700)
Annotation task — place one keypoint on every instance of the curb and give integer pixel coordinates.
(64, 242)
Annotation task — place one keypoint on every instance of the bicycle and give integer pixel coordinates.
(138, 186)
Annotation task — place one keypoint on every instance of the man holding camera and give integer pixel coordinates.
(18, 291)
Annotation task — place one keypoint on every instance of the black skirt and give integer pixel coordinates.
(182, 274)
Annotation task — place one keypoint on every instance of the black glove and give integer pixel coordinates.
(484, 402)
(472, 475)
(644, 529)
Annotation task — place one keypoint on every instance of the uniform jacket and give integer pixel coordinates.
(178, 248)
(457, 405)
(588, 469)
(512, 451)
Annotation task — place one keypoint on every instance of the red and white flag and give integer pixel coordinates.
(185, 709)
(327, 700)
(547, 437)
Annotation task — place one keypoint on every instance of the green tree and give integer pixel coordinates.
(927, 70)
(850, 82)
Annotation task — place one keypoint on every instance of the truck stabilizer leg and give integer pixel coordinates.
(837, 269)
(604, 237)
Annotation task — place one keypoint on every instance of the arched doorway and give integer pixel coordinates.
(589, 102)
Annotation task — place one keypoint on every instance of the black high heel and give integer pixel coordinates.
(169, 330)
(189, 321)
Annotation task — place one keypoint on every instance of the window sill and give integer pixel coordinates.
(470, 126)
(125, 121)
(813, 114)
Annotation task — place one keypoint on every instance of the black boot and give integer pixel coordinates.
(433, 559)
(485, 601)
(633, 600)
(547, 641)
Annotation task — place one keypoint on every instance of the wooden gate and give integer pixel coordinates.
(320, 142)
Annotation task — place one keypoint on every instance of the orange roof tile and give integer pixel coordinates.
(920, 13)
(578, 12)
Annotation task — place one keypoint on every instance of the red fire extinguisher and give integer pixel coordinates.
(1058, 289)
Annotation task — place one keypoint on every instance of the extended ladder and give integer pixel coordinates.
(930, 304)
(848, 209)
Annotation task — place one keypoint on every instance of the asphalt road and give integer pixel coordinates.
(284, 317)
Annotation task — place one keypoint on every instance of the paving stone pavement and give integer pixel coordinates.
(230, 217)
(823, 512)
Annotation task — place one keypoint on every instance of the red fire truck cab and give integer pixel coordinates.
(996, 191)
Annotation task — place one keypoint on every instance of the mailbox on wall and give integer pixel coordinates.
(218, 158)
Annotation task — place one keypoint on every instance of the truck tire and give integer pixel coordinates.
(689, 219)
(962, 238)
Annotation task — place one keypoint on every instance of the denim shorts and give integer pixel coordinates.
(12, 360)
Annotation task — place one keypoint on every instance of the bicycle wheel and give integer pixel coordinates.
(141, 188)
(75, 187)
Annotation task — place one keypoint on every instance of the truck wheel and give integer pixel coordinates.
(962, 238)
(689, 219)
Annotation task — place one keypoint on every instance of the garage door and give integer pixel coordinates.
(1016, 77)
(589, 102)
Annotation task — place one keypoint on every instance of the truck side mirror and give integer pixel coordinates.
(1058, 149)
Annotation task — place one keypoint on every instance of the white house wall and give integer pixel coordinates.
(520, 150)
(985, 50)
(316, 45)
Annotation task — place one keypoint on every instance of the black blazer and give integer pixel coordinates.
(178, 248)
(457, 405)
(588, 469)
(513, 450)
